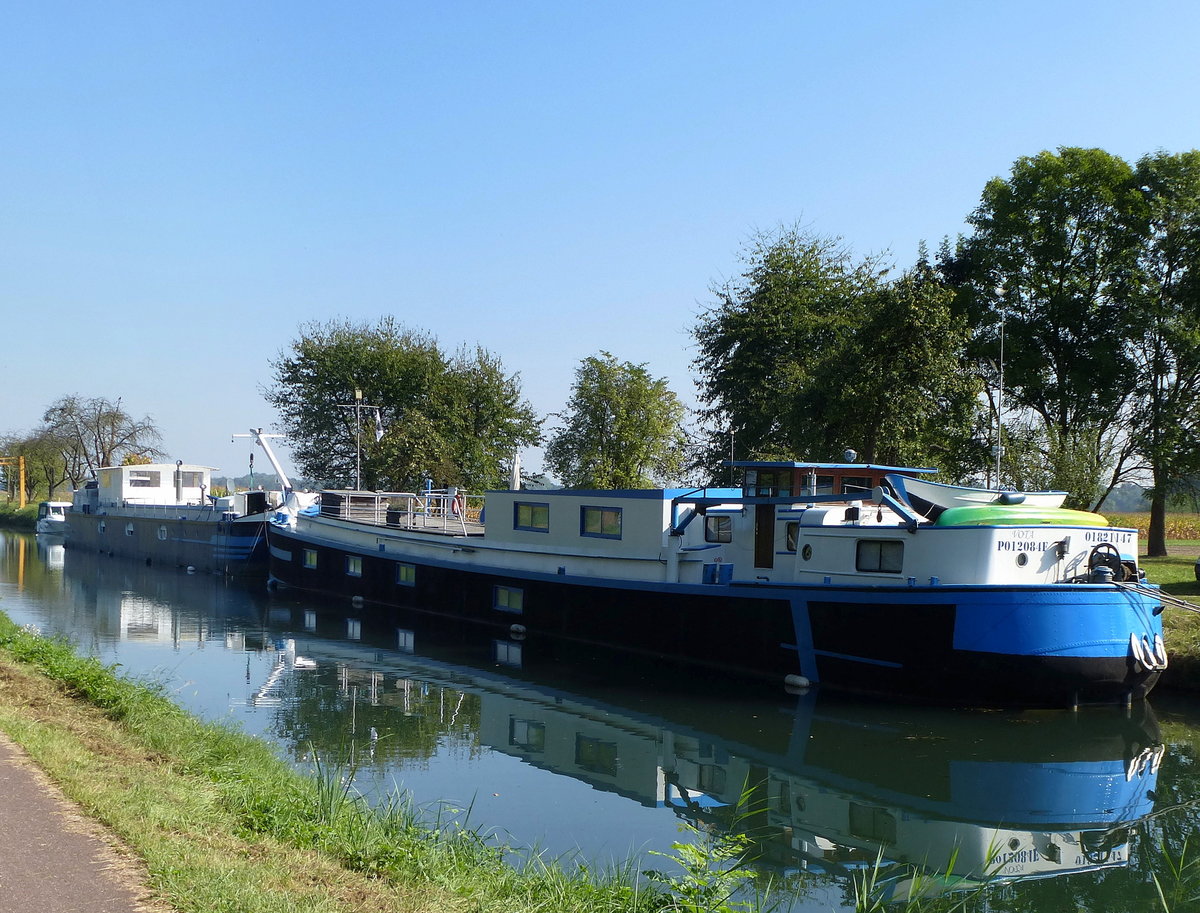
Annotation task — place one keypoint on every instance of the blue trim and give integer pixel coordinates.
(859, 659)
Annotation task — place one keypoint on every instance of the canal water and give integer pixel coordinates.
(601, 759)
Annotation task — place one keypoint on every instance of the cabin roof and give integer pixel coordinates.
(163, 467)
(871, 467)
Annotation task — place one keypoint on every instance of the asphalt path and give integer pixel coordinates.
(53, 859)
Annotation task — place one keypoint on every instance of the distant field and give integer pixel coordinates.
(1183, 530)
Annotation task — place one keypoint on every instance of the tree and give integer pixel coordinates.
(808, 353)
(421, 414)
(1052, 247)
(1164, 342)
(94, 432)
(895, 387)
(621, 428)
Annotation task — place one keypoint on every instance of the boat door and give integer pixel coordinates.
(764, 535)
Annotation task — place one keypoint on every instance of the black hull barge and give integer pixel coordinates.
(809, 574)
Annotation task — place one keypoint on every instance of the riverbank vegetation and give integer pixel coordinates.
(223, 824)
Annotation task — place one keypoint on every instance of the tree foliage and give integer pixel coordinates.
(1164, 338)
(809, 352)
(622, 428)
(1052, 248)
(92, 432)
(422, 414)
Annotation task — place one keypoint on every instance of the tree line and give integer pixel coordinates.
(1056, 344)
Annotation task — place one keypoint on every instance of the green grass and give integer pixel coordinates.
(21, 518)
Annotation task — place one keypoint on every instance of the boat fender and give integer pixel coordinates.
(795, 682)
(356, 600)
(1135, 648)
(1160, 652)
(517, 632)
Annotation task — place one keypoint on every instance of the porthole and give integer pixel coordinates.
(1022, 559)
(806, 552)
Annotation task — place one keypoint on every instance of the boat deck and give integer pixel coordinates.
(435, 512)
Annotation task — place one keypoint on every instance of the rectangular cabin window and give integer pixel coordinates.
(532, 516)
(310, 558)
(508, 599)
(883, 556)
(602, 522)
(856, 485)
(791, 535)
(596, 755)
(406, 574)
(353, 566)
(529, 735)
(192, 479)
(143, 478)
(718, 529)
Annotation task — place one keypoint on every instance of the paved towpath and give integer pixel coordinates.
(52, 858)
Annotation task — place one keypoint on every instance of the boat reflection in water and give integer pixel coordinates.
(819, 784)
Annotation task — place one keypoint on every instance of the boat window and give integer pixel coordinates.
(527, 734)
(766, 483)
(508, 599)
(353, 566)
(872, 823)
(507, 653)
(531, 516)
(310, 557)
(405, 640)
(856, 485)
(886, 556)
(596, 755)
(162, 533)
(406, 574)
(718, 529)
(791, 535)
(824, 485)
(191, 479)
(604, 522)
(143, 478)
(129, 529)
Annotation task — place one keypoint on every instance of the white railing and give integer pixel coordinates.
(445, 510)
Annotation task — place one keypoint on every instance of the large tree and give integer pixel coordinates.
(809, 352)
(93, 432)
(386, 401)
(622, 428)
(1052, 247)
(1164, 341)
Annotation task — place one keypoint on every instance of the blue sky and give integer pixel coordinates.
(182, 186)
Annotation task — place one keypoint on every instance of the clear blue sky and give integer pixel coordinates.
(182, 186)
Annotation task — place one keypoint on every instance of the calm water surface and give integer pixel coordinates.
(590, 756)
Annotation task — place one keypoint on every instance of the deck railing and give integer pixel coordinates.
(445, 510)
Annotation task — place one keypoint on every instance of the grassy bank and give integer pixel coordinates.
(19, 518)
(222, 824)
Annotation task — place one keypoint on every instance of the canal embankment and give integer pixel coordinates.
(219, 822)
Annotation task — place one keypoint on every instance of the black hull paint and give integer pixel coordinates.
(899, 655)
(234, 548)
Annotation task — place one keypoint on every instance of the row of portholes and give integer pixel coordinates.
(101, 527)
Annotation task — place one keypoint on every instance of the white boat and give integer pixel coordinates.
(51, 517)
(809, 573)
(930, 498)
(165, 514)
